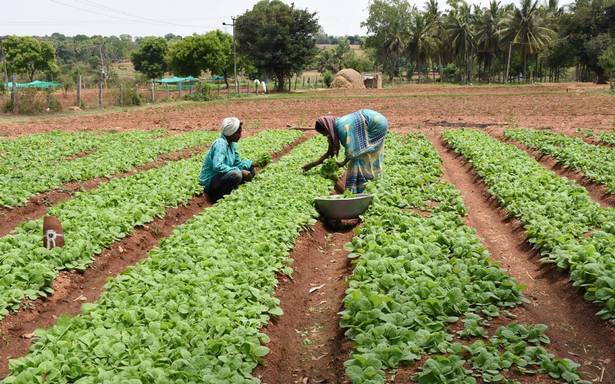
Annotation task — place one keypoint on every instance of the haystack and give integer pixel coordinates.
(348, 78)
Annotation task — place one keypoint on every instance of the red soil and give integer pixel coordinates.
(574, 329)
(307, 344)
(562, 107)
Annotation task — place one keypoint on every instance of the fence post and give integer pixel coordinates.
(122, 94)
(14, 92)
(100, 93)
(78, 91)
(152, 90)
(179, 85)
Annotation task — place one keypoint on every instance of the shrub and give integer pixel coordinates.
(130, 97)
(202, 92)
(327, 77)
(34, 102)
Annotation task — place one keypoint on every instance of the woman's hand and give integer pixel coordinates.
(340, 164)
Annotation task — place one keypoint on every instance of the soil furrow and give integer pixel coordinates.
(574, 329)
(74, 288)
(307, 344)
(597, 192)
(37, 205)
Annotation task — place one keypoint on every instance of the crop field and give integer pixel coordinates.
(486, 256)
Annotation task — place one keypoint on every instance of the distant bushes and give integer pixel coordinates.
(34, 102)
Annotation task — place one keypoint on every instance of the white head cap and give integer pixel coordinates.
(229, 126)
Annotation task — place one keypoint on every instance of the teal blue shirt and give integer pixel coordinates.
(221, 158)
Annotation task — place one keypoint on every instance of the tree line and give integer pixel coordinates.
(458, 42)
(467, 43)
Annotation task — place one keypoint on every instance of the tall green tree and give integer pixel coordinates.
(278, 38)
(488, 36)
(607, 62)
(421, 40)
(527, 29)
(388, 28)
(197, 53)
(438, 33)
(149, 59)
(27, 55)
(461, 36)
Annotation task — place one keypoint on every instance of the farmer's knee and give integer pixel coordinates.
(234, 176)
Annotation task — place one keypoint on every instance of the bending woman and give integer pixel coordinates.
(362, 134)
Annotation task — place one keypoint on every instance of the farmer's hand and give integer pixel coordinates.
(246, 175)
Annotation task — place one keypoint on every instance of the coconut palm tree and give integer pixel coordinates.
(438, 32)
(526, 27)
(421, 42)
(488, 39)
(461, 35)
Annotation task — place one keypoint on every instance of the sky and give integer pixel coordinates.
(159, 17)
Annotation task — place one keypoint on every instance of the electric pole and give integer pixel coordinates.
(234, 54)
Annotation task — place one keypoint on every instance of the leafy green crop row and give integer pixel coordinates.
(191, 312)
(93, 220)
(418, 270)
(114, 152)
(594, 161)
(21, 152)
(608, 138)
(559, 216)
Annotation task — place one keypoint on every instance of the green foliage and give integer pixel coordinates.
(327, 78)
(149, 59)
(329, 169)
(26, 171)
(595, 162)
(192, 311)
(278, 38)
(128, 96)
(561, 220)
(94, 220)
(608, 138)
(388, 33)
(27, 55)
(203, 92)
(607, 61)
(419, 269)
(32, 101)
(198, 53)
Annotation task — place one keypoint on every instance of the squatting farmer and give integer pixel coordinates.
(223, 170)
(362, 134)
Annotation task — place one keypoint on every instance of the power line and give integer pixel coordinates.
(101, 6)
(123, 17)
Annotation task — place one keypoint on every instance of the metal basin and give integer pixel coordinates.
(338, 208)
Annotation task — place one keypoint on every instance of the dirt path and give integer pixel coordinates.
(539, 106)
(575, 331)
(598, 192)
(74, 288)
(307, 344)
(38, 205)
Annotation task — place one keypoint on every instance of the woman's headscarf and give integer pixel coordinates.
(328, 122)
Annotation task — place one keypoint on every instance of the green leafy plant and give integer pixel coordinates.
(94, 220)
(415, 275)
(329, 169)
(560, 218)
(46, 165)
(595, 162)
(193, 309)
